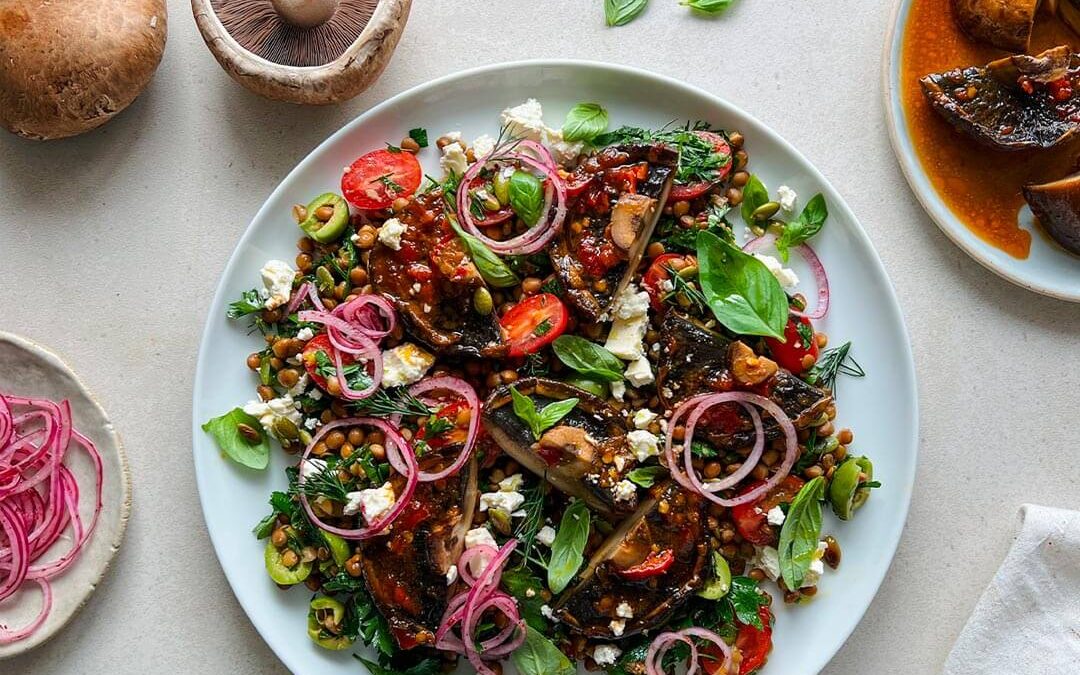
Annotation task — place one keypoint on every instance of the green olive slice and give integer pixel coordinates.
(845, 495)
(286, 576)
(339, 548)
(321, 612)
(328, 230)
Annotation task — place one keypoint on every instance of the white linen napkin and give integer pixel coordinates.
(1028, 619)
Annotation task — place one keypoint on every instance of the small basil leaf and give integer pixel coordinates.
(584, 122)
(800, 533)
(808, 224)
(646, 475)
(708, 6)
(588, 358)
(539, 656)
(553, 412)
(225, 430)
(622, 12)
(743, 294)
(526, 196)
(525, 409)
(568, 548)
(491, 267)
(754, 195)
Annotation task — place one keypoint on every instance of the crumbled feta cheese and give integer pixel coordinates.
(639, 372)
(767, 559)
(305, 334)
(620, 462)
(483, 146)
(606, 655)
(525, 121)
(372, 503)
(546, 535)
(624, 491)
(416, 288)
(618, 390)
(643, 444)
(511, 483)
(311, 467)
(617, 627)
(785, 276)
(453, 161)
(625, 338)
(624, 610)
(563, 150)
(310, 423)
(643, 418)
(269, 411)
(405, 364)
(507, 502)
(546, 612)
(666, 286)
(776, 516)
(630, 302)
(453, 135)
(390, 233)
(817, 566)
(300, 386)
(787, 197)
(277, 278)
(315, 395)
(479, 536)
(451, 575)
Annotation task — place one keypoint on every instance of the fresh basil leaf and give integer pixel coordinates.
(588, 358)
(807, 225)
(622, 12)
(800, 533)
(526, 196)
(541, 420)
(646, 475)
(539, 656)
(743, 294)
(584, 122)
(420, 136)
(225, 431)
(553, 412)
(491, 267)
(518, 582)
(754, 194)
(746, 598)
(707, 6)
(569, 545)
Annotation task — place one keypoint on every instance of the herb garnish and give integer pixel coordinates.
(388, 182)
(646, 476)
(744, 295)
(234, 444)
(800, 533)
(798, 231)
(698, 159)
(567, 551)
(420, 136)
(249, 303)
(622, 12)
(542, 328)
(491, 267)
(584, 122)
(540, 420)
(588, 358)
(681, 286)
(707, 6)
(387, 402)
(526, 196)
(832, 363)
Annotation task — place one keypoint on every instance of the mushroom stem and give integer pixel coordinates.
(305, 13)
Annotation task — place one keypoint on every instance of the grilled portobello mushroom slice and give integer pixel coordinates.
(669, 541)
(405, 572)
(1019, 102)
(1002, 23)
(1057, 206)
(584, 455)
(694, 360)
(619, 193)
(431, 280)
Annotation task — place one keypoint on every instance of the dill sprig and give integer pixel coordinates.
(684, 287)
(698, 159)
(327, 482)
(832, 363)
(527, 527)
(387, 402)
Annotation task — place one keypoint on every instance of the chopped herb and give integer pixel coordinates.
(831, 364)
(527, 527)
(698, 159)
(420, 136)
(703, 450)
(553, 286)
(646, 475)
(387, 402)
(540, 420)
(389, 183)
(393, 148)
(681, 286)
(249, 303)
(542, 328)
(806, 333)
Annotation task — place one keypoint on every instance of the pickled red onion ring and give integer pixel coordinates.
(297, 298)
(465, 391)
(354, 328)
(654, 658)
(818, 269)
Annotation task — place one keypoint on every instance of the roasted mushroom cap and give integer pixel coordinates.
(584, 455)
(1002, 23)
(439, 311)
(405, 571)
(302, 51)
(68, 67)
(1057, 206)
(694, 360)
(611, 220)
(592, 606)
(1015, 103)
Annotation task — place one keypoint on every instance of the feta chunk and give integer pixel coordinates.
(643, 418)
(639, 372)
(786, 196)
(525, 121)
(311, 467)
(310, 423)
(453, 161)
(626, 336)
(269, 411)
(624, 491)
(643, 444)
(507, 502)
(606, 655)
(618, 390)
(372, 503)
(390, 233)
(511, 483)
(624, 610)
(546, 612)
(546, 535)
(776, 516)
(301, 385)
(564, 151)
(277, 278)
(617, 627)
(785, 276)
(405, 364)
(767, 559)
(817, 566)
(630, 302)
(483, 146)
(305, 334)
(479, 536)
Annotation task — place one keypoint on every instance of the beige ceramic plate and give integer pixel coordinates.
(27, 369)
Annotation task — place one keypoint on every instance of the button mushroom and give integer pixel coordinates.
(630, 215)
(1057, 206)
(69, 67)
(303, 51)
(748, 368)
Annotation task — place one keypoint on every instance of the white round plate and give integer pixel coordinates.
(28, 369)
(1048, 269)
(881, 407)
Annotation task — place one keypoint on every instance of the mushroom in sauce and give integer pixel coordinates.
(1002, 23)
(1057, 206)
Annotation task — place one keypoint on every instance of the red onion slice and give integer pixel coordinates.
(818, 270)
(654, 658)
(297, 298)
(465, 391)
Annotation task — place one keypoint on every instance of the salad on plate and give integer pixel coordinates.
(562, 402)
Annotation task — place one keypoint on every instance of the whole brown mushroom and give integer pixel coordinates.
(69, 67)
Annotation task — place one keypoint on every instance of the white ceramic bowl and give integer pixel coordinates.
(881, 408)
(1049, 269)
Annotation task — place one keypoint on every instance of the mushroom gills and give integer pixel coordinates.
(594, 603)
(1015, 103)
(1057, 206)
(405, 572)
(610, 223)
(694, 360)
(1002, 23)
(570, 455)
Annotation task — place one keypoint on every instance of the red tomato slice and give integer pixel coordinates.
(789, 354)
(376, 179)
(320, 343)
(754, 645)
(533, 323)
(751, 520)
(688, 191)
(655, 564)
(656, 273)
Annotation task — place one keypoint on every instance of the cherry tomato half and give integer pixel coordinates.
(789, 354)
(685, 192)
(754, 646)
(751, 520)
(533, 323)
(655, 564)
(320, 343)
(658, 272)
(376, 179)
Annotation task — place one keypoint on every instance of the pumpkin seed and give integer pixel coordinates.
(500, 520)
(482, 301)
(250, 433)
(501, 183)
(324, 280)
(766, 211)
(285, 428)
(688, 271)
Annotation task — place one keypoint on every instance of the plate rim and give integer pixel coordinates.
(58, 361)
(906, 487)
(911, 167)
